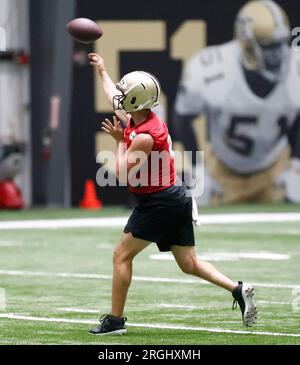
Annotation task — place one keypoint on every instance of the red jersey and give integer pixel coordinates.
(159, 171)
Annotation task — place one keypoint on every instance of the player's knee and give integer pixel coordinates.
(187, 266)
(121, 255)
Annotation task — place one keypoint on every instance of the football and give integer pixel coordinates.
(84, 30)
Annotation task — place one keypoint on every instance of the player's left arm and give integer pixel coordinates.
(137, 153)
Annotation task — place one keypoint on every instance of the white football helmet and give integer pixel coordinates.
(263, 31)
(139, 90)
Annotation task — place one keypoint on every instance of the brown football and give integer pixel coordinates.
(84, 30)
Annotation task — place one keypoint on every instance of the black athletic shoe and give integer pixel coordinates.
(110, 325)
(243, 295)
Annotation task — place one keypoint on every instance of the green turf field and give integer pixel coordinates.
(57, 282)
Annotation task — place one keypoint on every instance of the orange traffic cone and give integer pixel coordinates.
(90, 200)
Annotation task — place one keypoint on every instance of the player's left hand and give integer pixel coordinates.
(114, 129)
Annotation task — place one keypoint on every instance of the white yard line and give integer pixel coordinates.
(274, 302)
(258, 230)
(152, 305)
(148, 279)
(147, 325)
(55, 274)
(78, 310)
(105, 246)
(164, 305)
(227, 256)
(236, 218)
(98, 276)
(10, 243)
(177, 306)
(64, 223)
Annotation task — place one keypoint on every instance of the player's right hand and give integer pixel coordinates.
(114, 129)
(97, 61)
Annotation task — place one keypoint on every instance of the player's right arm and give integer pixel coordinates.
(109, 87)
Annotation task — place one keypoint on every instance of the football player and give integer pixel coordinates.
(164, 213)
(249, 91)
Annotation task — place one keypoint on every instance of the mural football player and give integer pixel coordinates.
(248, 90)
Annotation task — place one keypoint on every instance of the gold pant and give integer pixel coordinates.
(257, 187)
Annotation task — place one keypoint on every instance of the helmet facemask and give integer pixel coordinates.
(275, 58)
(118, 100)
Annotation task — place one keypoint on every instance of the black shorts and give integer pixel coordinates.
(164, 217)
